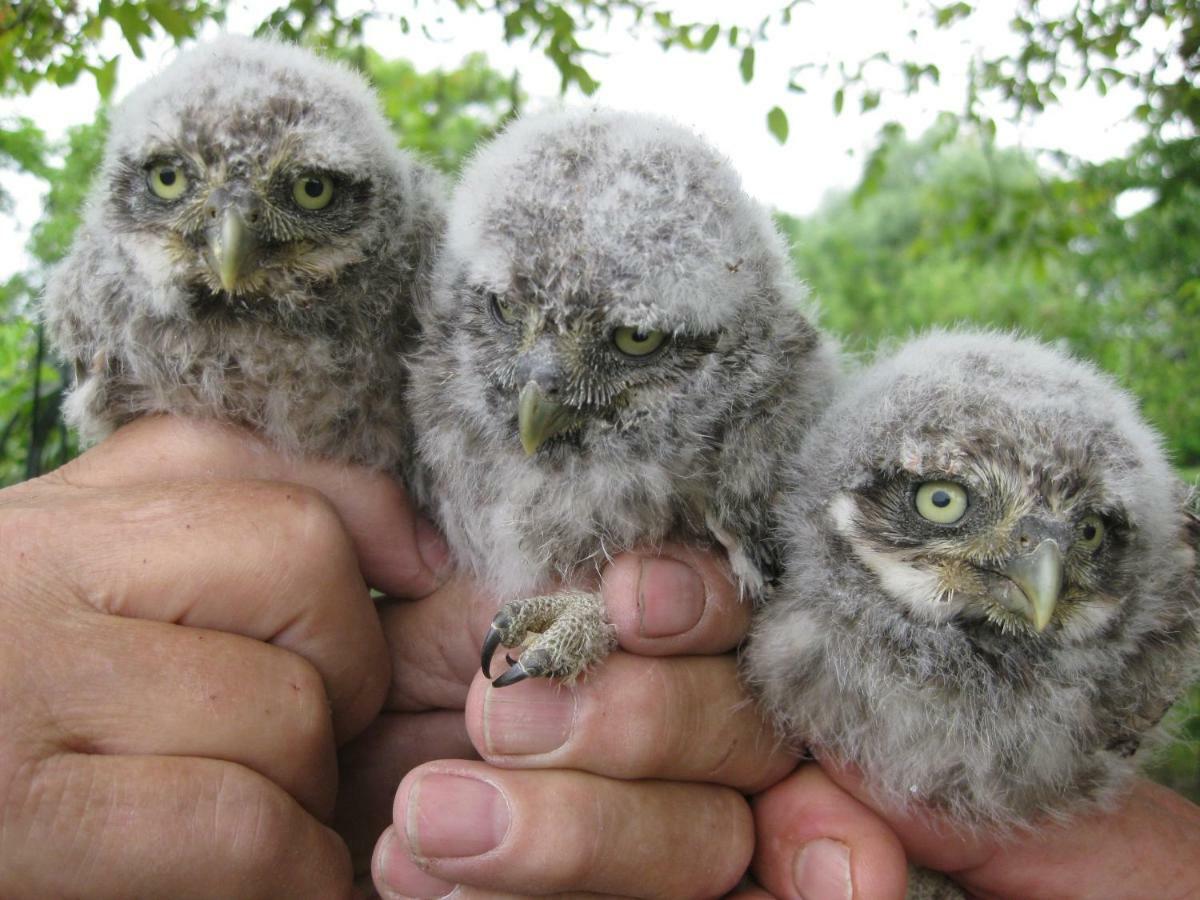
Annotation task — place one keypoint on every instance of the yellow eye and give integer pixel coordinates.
(503, 312)
(943, 502)
(167, 181)
(312, 191)
(1091, 532)
(636, 342)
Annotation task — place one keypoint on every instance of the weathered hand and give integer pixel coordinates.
(185, 635)
(555, 806)
(818, 836)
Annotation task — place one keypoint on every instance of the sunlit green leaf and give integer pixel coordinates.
(106, 77)
(746, 66)
(777, 124)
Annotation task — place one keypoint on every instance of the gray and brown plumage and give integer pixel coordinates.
(991, 589)
(615, 356)
(252, 251)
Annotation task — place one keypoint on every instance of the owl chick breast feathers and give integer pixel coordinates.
(251, 251)
(991, 596)
(616, 353)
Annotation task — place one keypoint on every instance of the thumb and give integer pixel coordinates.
(815, 840)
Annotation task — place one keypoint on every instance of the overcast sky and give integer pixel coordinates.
(704, 91)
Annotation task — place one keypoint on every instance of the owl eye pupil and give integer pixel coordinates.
(940, 499)
(167, 176)
(312, 186)
(1089, 532)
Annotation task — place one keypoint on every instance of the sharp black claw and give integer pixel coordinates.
(490, 643)
(517, 673)
(508, 658)
(532, 664)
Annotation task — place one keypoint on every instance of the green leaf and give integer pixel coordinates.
(514, 26)
(106, 77)
(948, 15)
(733, 36)
(710, 37)
(584, 79)
(172, 21)
(839, 101)
(777, 124)
(131, 27)
(22, 142)
(746, 66)
(870, 100)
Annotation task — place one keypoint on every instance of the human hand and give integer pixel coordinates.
(1144, 847)
(557, 786)
(174, 630)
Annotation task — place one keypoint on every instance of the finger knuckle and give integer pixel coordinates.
(267, 841)
(580, 839)
(665, 737)
(309, 721)
(719, 863)
(308, 529)
(254, 826)
(373, 678)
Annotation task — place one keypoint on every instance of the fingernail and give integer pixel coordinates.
(396, 875)
(534, 716)
(821, 871)
(434, 550)
(670, 597)
(455, 816)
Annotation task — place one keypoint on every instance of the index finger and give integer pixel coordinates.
(683, 719)
(399, 552)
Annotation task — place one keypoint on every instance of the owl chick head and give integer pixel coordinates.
(245, 173)
(599, 261)
(990, 480)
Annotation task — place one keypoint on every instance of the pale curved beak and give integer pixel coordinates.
(231, 244)
(1039, 575)
(540, 418)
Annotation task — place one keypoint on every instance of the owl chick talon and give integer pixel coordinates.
(495, 637)
(562, 633)
(512, 676)
(532, 664)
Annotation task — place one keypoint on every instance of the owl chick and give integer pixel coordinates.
(990, 596)
(616, 355)
(252, 251)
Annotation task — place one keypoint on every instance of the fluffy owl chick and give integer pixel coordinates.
(991, 589)
(616, 355)
(252, 251)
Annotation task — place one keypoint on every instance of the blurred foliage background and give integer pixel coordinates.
(944, 227)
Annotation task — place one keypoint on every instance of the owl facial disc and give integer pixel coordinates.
(1039, 576)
